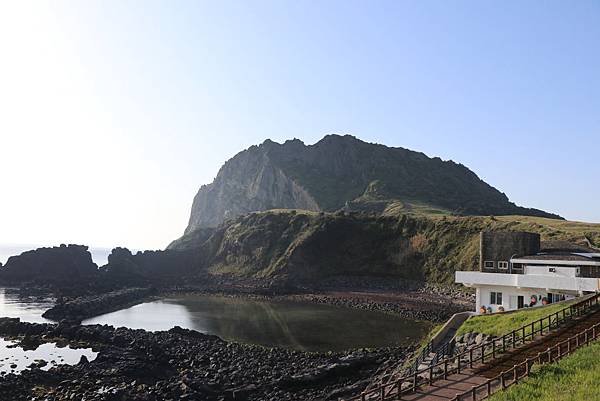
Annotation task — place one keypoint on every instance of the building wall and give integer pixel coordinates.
(502, 245)
(484, 293)
(545, 270)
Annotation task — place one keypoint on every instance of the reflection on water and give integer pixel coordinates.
(285, 324)
(29, 309)
(15, 359)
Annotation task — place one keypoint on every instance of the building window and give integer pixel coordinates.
(495, 298)
(503, 265)
(488, 264)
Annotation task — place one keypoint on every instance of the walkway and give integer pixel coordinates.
(448, 389)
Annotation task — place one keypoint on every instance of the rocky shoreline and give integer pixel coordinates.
(435, 304)
(77, 309)
(182, 364)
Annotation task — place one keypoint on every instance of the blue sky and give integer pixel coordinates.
(113, 113)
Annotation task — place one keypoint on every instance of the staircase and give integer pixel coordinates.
(480, 371)
(441, 346)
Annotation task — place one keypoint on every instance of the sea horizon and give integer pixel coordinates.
(99, 254)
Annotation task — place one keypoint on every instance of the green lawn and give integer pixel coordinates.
(574, 378)
(501, 323)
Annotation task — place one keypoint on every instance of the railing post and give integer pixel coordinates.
(415, 378)
(430, 374)
(474, 394)
(471, 358)
(514, 339)
(494, 348)
(515, 375)
(502, 381)
(363, 397)
(445, 369)
(382, 393)
(503, 344)
(482, 352)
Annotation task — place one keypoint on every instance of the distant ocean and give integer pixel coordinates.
(99, 255)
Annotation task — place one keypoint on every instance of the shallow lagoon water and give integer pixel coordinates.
(29, 309)
(297, 325)
(16, 359)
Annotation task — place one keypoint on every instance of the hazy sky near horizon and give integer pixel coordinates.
(113, 113)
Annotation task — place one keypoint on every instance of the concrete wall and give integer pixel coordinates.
(502, 245)
(450, 326)
(559, 271)
(549, 283)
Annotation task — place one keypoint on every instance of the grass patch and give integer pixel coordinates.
(574, 378)
(501, 323)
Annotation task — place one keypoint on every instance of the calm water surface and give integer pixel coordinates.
(29, 309)
(302, 326)
(16, 359)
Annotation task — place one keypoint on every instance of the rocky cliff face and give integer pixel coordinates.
(339, 170)
(249, 182)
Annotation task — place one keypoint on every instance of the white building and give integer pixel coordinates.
(530, 275)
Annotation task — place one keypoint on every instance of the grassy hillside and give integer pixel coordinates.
(574, 378)
(406, 242)
(499, 324)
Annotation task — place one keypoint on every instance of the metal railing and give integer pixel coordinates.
(481, 353)
(441, 352)
(523, 369)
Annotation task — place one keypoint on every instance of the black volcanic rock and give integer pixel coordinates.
(63, 264)
(149, 267)
(340, 169)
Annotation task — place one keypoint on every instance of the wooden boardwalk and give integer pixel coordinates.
(448, 389)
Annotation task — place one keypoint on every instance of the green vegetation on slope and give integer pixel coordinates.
(574, 378)
(339, 169)
(499, 324)
(421, 244)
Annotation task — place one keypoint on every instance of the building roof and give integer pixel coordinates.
(556, 256)
(562, 258)
(555, 246)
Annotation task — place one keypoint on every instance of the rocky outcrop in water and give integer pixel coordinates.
(338, 170)
(80, 308)
(150, 267)
(64, 264)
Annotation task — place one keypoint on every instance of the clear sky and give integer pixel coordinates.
(113, 113)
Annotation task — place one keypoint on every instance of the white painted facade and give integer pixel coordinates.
(539, 279)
